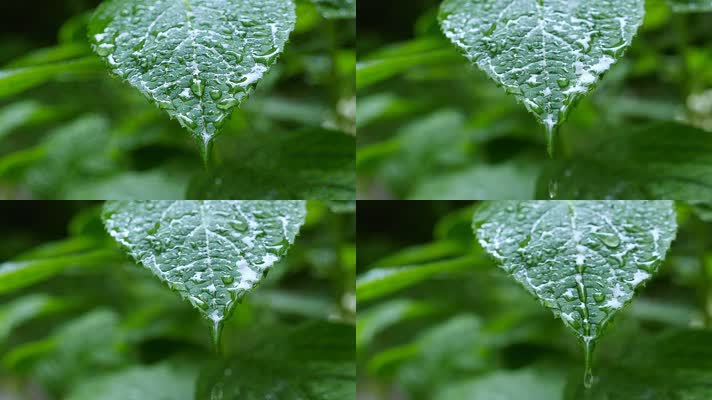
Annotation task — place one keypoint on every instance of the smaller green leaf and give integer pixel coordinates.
(313, 362)
(160, 382)
(688, 6)
(333, 9)
(211, 252)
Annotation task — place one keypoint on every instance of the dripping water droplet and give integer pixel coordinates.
(553, 188)
(588, 377)
(611, 240)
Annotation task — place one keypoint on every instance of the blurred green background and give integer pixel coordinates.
(80, 321)
(437, 319)
(432, 126)
(68, 130)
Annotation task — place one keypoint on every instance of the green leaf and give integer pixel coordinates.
(196, 59)
(157, 184)
(336, 8)
(483, 182)
(530, 383)
(548, 53)
(379, 318)
(22, 273)
(583, 260)
(73, 351)
(379, 282)
(211, 252)
(18, 80)
(685, 6)
(23, 309)
(674, 365)
(313, 362)
(308, 164)
(160, 382)
(661, 161)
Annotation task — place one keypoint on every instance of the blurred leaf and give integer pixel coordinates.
(483, 182)
(383, 281)
(17, 80)
(313, 362)
(661, 161)
(23, 309)
(79, 348)
(159, 382)
(400, 58)
(675, 365)
(378, 318)
(690, 5)
(530, 383)
(308, 164)
(336, 8)
(158, 184)
(19, 274)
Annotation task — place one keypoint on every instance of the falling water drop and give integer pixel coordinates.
(588, 377)
(553, 188)
(611, 240)
(216, 329)
(217, 392)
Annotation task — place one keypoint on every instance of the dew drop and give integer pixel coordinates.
(216, 329)
(563, 83)
(215, 94)
(103, 50)
(611, 240)
(227, 279)
(227, 103)
(553, 188)
(588, 377)
(197, 87)
(599, 297)
(491, 29)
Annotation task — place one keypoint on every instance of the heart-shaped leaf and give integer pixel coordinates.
(581, 259)
(548, 53)
(211, 252)
(196, 59)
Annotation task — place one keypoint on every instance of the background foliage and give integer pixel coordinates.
(79, 320)
(70, 131)
(431, 126)
(439, 320)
